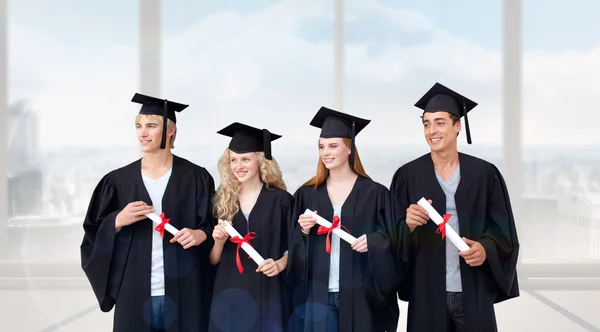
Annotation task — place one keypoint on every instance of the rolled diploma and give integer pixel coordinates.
(168, 227)
(337, 231)
(256, 257)
(450, 233)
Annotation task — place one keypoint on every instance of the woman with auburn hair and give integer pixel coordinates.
(252, 197)
(341, 286)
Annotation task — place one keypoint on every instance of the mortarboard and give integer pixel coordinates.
(338, 124)
(156, 106)
(440, 98)
(245, 138)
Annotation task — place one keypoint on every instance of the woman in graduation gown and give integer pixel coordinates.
(153, 282)
(252, 197)
(340, 286)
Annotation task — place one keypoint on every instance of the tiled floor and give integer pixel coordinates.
(76, 310)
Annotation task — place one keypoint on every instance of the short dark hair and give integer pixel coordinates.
(453, 117)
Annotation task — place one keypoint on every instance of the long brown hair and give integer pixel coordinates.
(323, 172)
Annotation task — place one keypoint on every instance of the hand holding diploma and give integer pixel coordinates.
(131, 213)
(162, 224)
(270, 267)
(328, 228)
(444, 228)
(306, 222)
(242, 242)
(361, 244)
(416, 216)
(475, 256)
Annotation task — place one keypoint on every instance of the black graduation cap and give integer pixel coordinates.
(338, 124)
(440, 98)
(166, 108)
(245, 138)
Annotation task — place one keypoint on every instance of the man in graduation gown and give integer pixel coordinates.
(155, 281)
(448, 290)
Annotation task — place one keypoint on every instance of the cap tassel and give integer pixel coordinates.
(353, 145)
(466, 123)
(267, 143)
(164, 127)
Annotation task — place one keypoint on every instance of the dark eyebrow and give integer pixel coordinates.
(436, 119)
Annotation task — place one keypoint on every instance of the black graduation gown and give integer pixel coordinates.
(118, 265)
(367, 302)
(251, 301)
(484, 215)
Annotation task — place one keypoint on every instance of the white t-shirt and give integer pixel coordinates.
(334, 258)
(156, 189)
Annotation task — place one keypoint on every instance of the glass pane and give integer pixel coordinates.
(397, 50)
(269, 65)
(560, 136)
(70, 119)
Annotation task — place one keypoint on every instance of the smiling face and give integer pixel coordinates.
(149, 132)
(440, 131)
(244, 166)
(334, 153)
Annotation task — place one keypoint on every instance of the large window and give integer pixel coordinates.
(560, 138)
(269, 65)
(71, 77)
(74, 67)
(396, 50)
(69, 119)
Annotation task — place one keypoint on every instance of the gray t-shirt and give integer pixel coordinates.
(453, 281)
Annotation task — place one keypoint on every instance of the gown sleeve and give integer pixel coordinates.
(384, 268)
(205, 220)
(380, 244)
(297, 255)
(500, 237)
(287, 207)
(104, 252)
(405, 243)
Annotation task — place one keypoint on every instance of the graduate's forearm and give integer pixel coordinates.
(204, 227)
(282, 262)
(118, 225)
(201, 235)
(410, 229)
(215, 253)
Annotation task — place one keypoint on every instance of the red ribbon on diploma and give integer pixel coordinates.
(324, 230)
(246, 239)
(161, 227)
(442, 226)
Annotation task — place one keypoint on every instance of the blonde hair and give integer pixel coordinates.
(159, 120)
(323, 172)
(226, 199)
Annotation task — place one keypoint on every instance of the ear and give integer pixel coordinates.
(171, 131)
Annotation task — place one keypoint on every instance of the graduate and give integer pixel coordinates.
(251, 197)
(448, 290)
(154, 281)
(336, 284)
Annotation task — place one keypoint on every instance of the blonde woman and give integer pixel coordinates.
(337, 284)
(252, 197)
